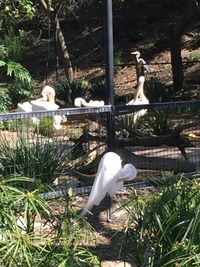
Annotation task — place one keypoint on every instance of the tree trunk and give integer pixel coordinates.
(176, 31)
(64, 49)
(52, 15)
(176, 59)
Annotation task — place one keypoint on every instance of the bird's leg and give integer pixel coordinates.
(110, 201)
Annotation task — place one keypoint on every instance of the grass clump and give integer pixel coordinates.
(163, 229)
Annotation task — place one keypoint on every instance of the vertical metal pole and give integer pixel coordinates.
(109, 72)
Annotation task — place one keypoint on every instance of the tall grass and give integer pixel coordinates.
(44, 161)
(164, 228)
(22, 244)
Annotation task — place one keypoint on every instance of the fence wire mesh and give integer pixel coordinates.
(65, 145)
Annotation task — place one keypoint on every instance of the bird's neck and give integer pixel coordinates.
(140, 91)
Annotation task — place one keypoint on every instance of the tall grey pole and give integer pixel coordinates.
(109, 72)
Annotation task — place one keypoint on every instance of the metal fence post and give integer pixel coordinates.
(109, 72)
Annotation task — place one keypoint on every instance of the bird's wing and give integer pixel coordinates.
(97, 193)
(127, 173)
(106, 176)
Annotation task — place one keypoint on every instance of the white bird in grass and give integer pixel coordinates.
(109, 179)
(81, 102)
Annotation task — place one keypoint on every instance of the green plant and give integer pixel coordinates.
(118, 61)
(164, 228)
(43, 161)
(11, 52)
(65, 89)
(194, 56)
(45, 126)
(157, 122)
(155, 90)
(5, 101)
(19, 93)
(23, 245)
(15, 44)
(68, 247)
(18, 213)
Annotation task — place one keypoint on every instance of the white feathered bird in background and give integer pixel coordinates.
(109, 179)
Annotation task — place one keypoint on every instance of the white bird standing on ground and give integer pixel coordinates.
(140, 98)
(109, 179)
(81, 102)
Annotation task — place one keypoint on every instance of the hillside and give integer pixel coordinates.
(137, 25)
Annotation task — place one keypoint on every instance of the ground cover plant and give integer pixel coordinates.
(22, 243)
(163, 228)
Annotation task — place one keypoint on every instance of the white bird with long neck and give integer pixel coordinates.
(81, 102)
(109, 179)
(140, 98)
(47, 101)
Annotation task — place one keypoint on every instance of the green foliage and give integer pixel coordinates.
(157, 122)
(45, 126)
(42, 161)
(19, 93)
(17, 71)
(195, 55)
(11, 51)
(155, 90)
(5, 102)
(3, 54)
(77, 88)
(15, 44)
(68, 248)
(23, 244)
(118, 61)
(163, 229)
(12, 13)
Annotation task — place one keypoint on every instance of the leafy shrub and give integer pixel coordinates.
(5, 102)
(19, 93)
(164, 228)
(78, 88)
(15, 44)
(194, 56)
(118, 61)
(45, 126)
(157, 122)
(11, 51)
(21, 242)
(42, 161)
(155, 90)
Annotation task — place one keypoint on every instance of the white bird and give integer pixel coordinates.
(109, 179)
(81, 102)
(46, 102)
(48, 93)
(57, 120)
(140, 98)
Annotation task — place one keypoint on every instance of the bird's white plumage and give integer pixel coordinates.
(140, 99)
(48, 93)
(109, 179)
(81, 102)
